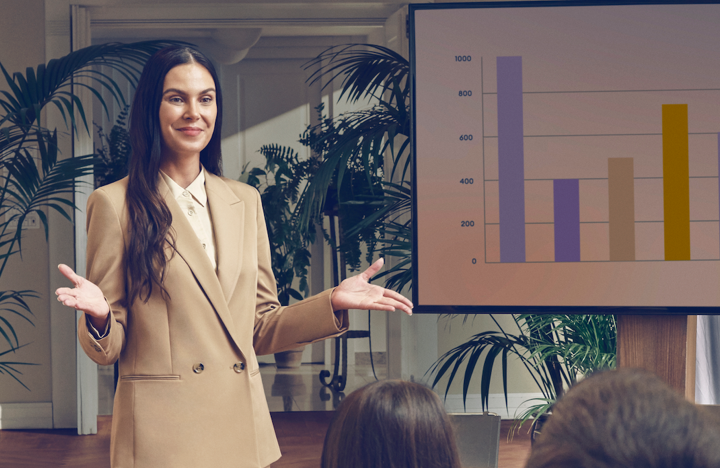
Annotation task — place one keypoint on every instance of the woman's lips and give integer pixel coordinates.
(191, 131)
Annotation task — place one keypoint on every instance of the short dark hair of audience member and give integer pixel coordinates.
(626, 418)
(391, 424)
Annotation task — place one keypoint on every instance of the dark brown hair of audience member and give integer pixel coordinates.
(626, 418)
(391, 424)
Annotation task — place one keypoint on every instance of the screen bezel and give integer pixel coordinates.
(505, 309)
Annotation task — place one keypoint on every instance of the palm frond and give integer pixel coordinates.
(556, 350)
(354, 141)
(367, 70)
(394, 202)
(9, 367)
(361, 140)
(396, 241)
(29, 189)
(279, 186)
(531, 412)
(15, 302)
(495, 343)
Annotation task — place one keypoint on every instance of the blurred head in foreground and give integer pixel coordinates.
(391, 424)
(626, 418)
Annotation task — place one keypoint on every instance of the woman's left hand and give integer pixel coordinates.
(357, 293)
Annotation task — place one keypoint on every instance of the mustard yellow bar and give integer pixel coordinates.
(676, 181)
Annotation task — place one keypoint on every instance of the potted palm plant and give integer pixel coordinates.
(34, 179)
(279, 184)
(365, 156)
(555, 349)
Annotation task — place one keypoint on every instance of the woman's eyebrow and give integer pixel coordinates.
(178, 91)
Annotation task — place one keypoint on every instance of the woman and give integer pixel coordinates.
(390, 424)
(180, 287)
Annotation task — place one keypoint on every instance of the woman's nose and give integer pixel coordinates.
(191, 112)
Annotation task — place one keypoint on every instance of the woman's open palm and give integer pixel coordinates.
(85, 296)
(357, 293)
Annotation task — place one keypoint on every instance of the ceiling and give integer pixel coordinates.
(160, 19)
(228, 30)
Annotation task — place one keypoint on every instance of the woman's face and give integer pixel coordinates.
(187, 111)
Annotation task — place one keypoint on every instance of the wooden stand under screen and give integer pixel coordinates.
(663, 344)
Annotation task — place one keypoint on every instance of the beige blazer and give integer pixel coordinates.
(190, 393)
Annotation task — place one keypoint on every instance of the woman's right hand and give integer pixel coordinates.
(85, 296)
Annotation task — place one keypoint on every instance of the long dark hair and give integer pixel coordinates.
(150, 218)
(392, 424)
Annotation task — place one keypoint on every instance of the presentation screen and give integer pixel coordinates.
(566, 157)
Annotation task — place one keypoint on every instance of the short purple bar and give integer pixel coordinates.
(511, 171)
(566, 203)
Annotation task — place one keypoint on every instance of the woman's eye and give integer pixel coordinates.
(175, 100)
(206, 99)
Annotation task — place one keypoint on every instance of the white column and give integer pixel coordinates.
(317, 249)
(87, 385)
(60, 242)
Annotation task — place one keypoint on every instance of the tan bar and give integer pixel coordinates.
(621, 203)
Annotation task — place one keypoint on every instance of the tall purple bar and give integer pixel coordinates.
(511, 171)
(566, 204)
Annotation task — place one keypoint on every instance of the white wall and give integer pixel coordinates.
(22, 35)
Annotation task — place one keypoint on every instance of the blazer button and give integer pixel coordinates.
(239, 367)
(198, 368)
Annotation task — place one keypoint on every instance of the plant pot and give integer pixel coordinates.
(290, 359)
(470, 430)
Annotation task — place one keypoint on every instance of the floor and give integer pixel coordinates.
(300, 435)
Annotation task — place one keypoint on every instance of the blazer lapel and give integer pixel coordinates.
(228, 216)
(189, 249)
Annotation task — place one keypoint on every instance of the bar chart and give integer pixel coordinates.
(505, 221)
(567, 156)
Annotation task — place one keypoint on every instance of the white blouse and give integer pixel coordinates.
(193, 202)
